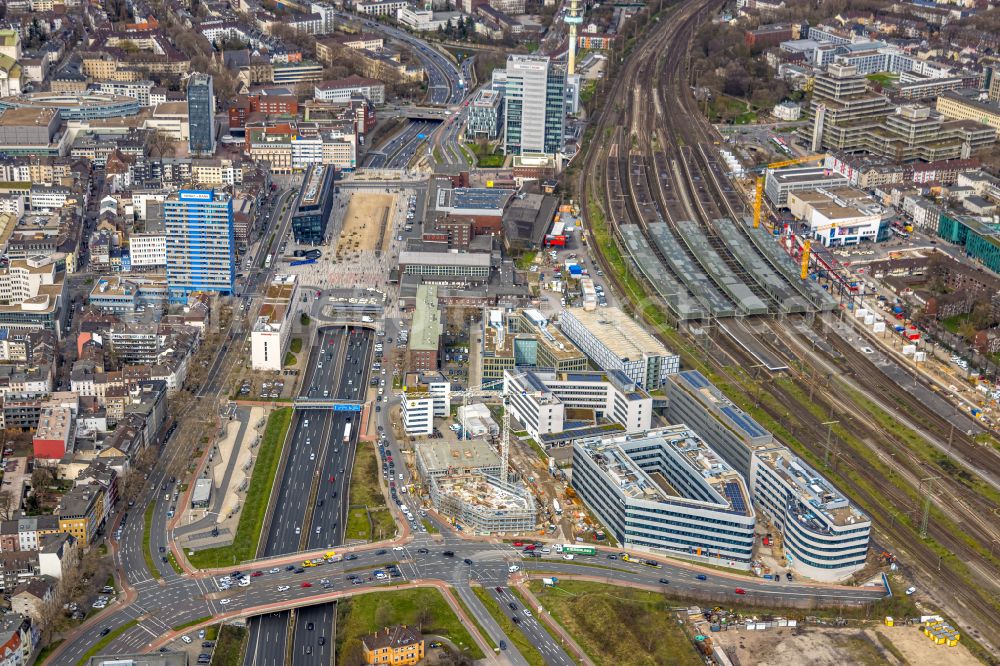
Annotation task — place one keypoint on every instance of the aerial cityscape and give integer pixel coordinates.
(517, 332)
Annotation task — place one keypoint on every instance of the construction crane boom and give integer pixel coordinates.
(762, 169)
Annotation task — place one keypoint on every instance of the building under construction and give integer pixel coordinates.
(462, 478)
(483, 504)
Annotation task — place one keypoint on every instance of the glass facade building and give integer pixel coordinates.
(201, 114)
(314, 205)
(534, 99)
(200, 243)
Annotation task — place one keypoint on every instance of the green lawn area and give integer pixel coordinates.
(147, 522)
(422, 608)
(244, 546)
(526, 259)
(212, 633)
(365, 492)
(429, 526)
(438, 157)
(723, 108)
(289, 359)
(520, 641)
(617, 625)
(486, 157)
(295, 346)
(883, 78)
(104, 642)
(952, 324)
(229, 648)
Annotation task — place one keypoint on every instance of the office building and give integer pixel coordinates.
(272, 331)
(846, 116)
(779, 182)
(423, 347)
(534, 103)
(429, 396)
(200, 243)
(666, 491)
(341, 90)
(968, 104)
(731, 432)
(469, 266)
(979, 240)
(825, 537)
(485, 116)
(837, 216)
(312, 210)
(201, 114)
(524, 339)
(547, 403)
(615, 341)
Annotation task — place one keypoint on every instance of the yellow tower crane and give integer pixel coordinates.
(758, 199)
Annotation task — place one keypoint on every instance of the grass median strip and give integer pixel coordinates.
(147, 526)
(244, 546)
(520, 641)
(230, 647)
(105, 641)
(366, 499)
(191, 623)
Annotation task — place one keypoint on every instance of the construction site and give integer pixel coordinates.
(463, 481)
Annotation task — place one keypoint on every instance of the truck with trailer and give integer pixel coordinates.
(347, 432)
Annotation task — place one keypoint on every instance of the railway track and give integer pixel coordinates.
(659, 121)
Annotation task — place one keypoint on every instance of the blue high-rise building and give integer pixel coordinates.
(200, 243)
(201, 114)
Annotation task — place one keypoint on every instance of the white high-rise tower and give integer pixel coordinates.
(572, 19)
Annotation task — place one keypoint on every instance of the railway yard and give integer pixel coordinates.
(654, 183)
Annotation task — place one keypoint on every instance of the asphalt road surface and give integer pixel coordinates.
(268, 638)
(311, 624)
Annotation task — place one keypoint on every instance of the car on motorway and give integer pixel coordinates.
(448, 553)
(321, 640)
(740, 590)
(664, 581)
(701, 577)
(299, 570)
(515, 619)
(468, 561)
(274, 570)
(381, 552)
(225, 602)
(306, 583)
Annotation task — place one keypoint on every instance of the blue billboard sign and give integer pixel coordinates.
(342, 407)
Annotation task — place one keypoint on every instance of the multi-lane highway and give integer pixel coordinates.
(400, 149)
(268, 643)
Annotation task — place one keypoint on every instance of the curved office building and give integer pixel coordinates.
(75, 106)
(825, 537)
(666, 491)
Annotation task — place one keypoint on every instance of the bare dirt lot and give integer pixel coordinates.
(367, 223)
(828, 646)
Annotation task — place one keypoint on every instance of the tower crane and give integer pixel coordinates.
(481, 391)
(762, 169)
